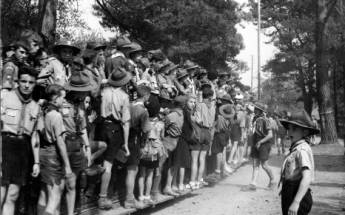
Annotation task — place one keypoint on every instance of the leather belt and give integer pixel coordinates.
(9, 134)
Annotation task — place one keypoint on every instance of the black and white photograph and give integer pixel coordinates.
(172, 107)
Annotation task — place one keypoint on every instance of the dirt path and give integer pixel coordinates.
(227, 197)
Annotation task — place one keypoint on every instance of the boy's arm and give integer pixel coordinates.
(302, 190)
(265, 139)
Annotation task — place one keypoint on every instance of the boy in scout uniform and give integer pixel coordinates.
(19, 114)
(298, 168)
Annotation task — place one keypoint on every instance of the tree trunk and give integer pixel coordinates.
(1, 79)
(328, 128)
(47, 24)
(335, 95)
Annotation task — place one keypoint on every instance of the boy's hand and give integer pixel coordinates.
(293, 209)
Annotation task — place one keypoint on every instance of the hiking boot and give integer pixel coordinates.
(133, 203)
(104, 203)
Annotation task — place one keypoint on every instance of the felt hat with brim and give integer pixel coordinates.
(250, 107)
(119, 77)
(80, 81)
(65, 44)
(171, 67)
(79, 61)
(301, 119)
(227, 111)
(157, 55)
(226, 98)
(188, 65)
(260, 106)
(122, 41)
(95, 46)
(134, 48)
(181, 74)
(164, 66)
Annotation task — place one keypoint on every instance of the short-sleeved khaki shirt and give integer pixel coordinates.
(51, 126)
(115, 102)
(300, 157)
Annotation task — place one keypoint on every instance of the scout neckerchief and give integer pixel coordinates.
(292, 149)
(24, 102)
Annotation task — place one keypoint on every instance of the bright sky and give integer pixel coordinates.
(250, 40)
(247, 30)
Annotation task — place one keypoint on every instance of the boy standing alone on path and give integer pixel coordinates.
(261, 146)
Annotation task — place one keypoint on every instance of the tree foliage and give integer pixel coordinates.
(17, 15)
(293, 27)
(203, 30)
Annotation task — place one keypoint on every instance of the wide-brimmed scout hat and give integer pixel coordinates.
(301, 119)
(250, 107)
(226, 98)
(157, 55)
(227, 111)
(171, 67)
(122, 41)
(189, 65)
(79, 62)
(95, 46)
(181, 74)
(80, 81)
(119, 77)
(260, 106)
(66, 44)
(134, 48)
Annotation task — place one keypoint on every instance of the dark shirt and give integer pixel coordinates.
(262, 127)
(139, 123)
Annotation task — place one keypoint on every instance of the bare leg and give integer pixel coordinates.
(54, 197)
(194, 170)
(130, 181)
(141, 180)
(233, 152)
(181, 179)
(268, 170)
(11, 198)
(149, 176)
(3, 194)
(106, 176)
(158, 176)
(170, 176)
(219, 162)
(71, 194)
(102, 146)
(256, 166)
(201, 164)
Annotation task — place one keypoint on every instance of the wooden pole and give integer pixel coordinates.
(251, 74)
(259, 57)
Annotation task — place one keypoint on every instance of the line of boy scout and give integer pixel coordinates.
(71, 117)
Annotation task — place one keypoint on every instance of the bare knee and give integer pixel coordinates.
(12, 193)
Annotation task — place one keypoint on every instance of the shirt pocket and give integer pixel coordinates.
(11, 116)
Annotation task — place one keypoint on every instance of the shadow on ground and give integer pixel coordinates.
(325, 208)
(158, 207)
